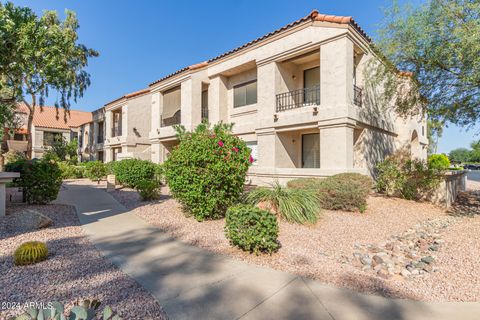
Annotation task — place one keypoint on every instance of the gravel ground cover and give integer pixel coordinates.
(318, 251)
(75, 269)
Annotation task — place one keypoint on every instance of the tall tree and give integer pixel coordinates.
(434, 133)
(40, 55)
(438, 43)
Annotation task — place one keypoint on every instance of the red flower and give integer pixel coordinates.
(251, 159)
(235, 149)
(220, 143)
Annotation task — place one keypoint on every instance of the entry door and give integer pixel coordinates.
(311, 150)
(311, 85)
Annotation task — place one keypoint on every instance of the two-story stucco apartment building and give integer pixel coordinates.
(298, 98)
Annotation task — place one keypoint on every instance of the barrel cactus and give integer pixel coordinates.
(30, 252)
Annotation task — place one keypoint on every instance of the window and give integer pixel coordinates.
(252, 145)
(311, 77)
(50, 137)
(311, 150)
(245, 94)
(172, 100)
(18, 137)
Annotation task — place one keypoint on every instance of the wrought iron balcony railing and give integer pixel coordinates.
(357, 96)
(173, 120)
(298, 98)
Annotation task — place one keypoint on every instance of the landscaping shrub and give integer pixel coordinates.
(30, 252)
(438, 162)
(86, 310)
(409, 179)
(252, 229)
(14, 156)
(129, 172)
(95, 170)
(70, 171)
(344, 191)
(294, 205)
(148, 189)
(39, 179)
(206, 171)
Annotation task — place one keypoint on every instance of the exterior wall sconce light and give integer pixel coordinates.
(315, 110)
(275, 117)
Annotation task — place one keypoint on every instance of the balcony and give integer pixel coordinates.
(175, 119)
(357, 96)
(116, 131)
(298, 98)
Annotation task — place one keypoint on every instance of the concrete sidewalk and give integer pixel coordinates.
(190, 283)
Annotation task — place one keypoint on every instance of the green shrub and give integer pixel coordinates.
(345, 191)
(39, 179)
(30, 252)
(159, 173)
(206, 171)
(95, 170)
(409, 179)
(294, 205)
(420, 180)
(70, 171)
(14, 156)
(389, 177)
(86, 310)
(129, 172)
(438, 162)
(148, 189)
(252, 229)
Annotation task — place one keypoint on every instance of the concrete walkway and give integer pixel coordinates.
(190, 283)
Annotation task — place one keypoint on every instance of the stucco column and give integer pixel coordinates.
(267, 78)
(217, 99)
(108, 124)
(156, 112)
(125, 121)
(336, 146)
(336, 73)
(186, 104)
(266, 145)
(107, 155)
(156, 152)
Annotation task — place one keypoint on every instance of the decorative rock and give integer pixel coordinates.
(420, 265)
(366, 260)
(383, 273)
(29, 219)
(428, 259)
(405, 273)
(377, 260)
(433, 247)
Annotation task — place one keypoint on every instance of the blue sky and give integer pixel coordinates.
(141, 41)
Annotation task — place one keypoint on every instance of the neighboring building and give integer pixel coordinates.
(297, 96)
(127, 124)
(49, 124)
(92, 137)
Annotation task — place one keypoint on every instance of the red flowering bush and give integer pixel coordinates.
(207, 170)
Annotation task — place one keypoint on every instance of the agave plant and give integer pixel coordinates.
(294, 205)
(87, 310)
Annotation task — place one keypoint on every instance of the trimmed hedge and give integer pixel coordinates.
(39, 179)
(129, 172)
(344, 191)
(95, 170)
(252, 229)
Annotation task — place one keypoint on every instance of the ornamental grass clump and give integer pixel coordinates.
(252, 229)
(206, 171)
(294, 205)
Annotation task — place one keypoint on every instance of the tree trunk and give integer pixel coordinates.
(29, 135)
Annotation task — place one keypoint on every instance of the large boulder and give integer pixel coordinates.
(29, 219)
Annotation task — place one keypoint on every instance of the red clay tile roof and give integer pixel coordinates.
(130, 95)
(313, 16)
(51, 117)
